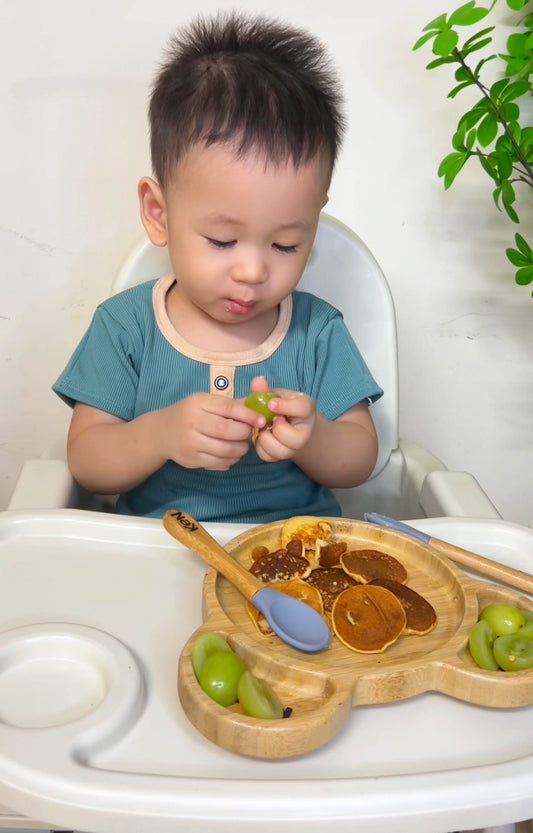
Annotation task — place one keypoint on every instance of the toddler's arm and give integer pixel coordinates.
(108, 455)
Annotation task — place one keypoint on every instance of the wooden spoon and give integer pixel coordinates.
(295, 622)
(472, 561)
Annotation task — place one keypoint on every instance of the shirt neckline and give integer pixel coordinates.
(243, 357)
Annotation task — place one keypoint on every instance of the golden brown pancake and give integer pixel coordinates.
(368, 618)
(421, 616)
(281, 565)
(296, 588)
(329, 583)
(329, 555)
(307, 529)
(366, 565)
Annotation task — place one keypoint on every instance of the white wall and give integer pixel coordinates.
(74, 82)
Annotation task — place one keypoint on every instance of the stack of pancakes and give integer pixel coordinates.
(362, 594)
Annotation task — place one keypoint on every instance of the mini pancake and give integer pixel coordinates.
(296, 588)
(329, 554)
(367, 618)
(257, 552)
(330, 583)
(307, 529)
(421, 616)
(366, 565)
(280, 565)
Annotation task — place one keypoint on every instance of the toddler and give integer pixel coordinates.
(246, 123)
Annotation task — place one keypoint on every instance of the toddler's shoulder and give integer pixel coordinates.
(307, 306)
(130, 304)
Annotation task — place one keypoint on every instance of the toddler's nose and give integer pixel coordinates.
(250, 269)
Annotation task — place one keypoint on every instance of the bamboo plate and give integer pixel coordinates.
(322, 688)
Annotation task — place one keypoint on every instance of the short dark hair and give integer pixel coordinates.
(250, 81)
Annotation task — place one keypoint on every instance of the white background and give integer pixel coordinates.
(74, 84)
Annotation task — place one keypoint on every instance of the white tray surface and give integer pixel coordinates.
(425, 758)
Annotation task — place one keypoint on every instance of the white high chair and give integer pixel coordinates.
(407, 482)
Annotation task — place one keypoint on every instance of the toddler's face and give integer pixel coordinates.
(240, 230)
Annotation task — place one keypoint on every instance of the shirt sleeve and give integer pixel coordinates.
(342, 378)
(102, 371)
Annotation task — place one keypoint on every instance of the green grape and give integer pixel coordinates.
(480, 645)
(258, 699)
(258, 401)
(220, 676)
(526, 631)
(513, 653)
(205, 645)
(503, 619)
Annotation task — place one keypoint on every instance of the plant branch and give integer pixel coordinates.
(486, 93)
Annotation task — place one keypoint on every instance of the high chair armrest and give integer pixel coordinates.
(43, 484)
(455, 494)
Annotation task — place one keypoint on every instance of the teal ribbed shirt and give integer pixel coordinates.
(128, 364)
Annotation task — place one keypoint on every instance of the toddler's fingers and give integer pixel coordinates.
(293, 405)
(259, 383)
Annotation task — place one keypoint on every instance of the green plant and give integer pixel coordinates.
(493, 129)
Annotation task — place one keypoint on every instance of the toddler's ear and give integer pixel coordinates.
(153, 210)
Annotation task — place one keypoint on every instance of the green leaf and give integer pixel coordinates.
(497, 89)
(511, 213)
(467, 15)
(474, 48)
(482, 63)
(524, 276)
(478, 35)
(463, 74)
(516, 5)
(515, 66)
(438, 23)
(424, 39)
(445, 43)
(487, 130)
(490, 168)
(470, 139)
(458, 140)
(515, 90)
(510, 112)
(514, 127)
(516, 45)
(450, 167)
(526, 137)
(474, 115)
(516, 258)
(496, 197)
(508, 193)
(505, 165)
(459, 87)
(524, 247)
(440, 61)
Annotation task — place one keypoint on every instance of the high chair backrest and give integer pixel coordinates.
(343, 271)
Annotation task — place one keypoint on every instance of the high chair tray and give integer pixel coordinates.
(95, 611)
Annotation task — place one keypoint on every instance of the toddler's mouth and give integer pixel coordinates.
(240, 307)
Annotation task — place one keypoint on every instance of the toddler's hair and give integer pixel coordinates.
(256, 83)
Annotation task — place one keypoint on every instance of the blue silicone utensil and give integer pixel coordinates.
(295, 622)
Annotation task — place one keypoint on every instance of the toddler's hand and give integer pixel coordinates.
(208, 431)
(294, 421)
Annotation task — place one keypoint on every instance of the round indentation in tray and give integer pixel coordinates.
(51, 675)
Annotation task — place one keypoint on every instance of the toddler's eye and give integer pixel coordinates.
(220, 244)
(284, 249)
